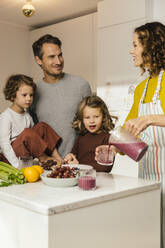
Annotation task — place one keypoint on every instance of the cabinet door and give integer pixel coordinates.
(114, 61)
(158, 10)
(112, 12)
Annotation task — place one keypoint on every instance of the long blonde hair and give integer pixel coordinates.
(93, 102)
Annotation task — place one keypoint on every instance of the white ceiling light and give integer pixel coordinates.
(28, 9)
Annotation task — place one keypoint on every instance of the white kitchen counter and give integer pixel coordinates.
(46, 214)
(47, 200)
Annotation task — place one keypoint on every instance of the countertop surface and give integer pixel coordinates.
(48, 200)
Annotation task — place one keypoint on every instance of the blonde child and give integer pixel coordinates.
(93, 123)
(19, 137)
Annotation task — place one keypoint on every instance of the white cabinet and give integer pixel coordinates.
(114, 61)
(121, 212)
(112, 12)
(116, 22)
(158, 12)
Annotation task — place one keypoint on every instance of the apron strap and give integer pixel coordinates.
(157, 91)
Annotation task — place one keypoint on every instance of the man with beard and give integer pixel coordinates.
(58, 93)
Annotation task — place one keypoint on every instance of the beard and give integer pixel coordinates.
(54, 75)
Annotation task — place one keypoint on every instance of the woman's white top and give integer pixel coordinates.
(11, 125)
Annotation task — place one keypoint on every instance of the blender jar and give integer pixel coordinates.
(128, 144)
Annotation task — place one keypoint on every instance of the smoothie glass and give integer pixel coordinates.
(87, 180)
(105, 156)
(128, 144)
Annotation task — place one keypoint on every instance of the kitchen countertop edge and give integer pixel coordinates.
(75, 204)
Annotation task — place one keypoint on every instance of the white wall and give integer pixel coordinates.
(14, 51)
(78, 38)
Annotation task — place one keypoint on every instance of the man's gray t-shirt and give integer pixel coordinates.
(57, 103)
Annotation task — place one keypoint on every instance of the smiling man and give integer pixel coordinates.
(58, 93)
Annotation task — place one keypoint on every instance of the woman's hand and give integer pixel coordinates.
(71, 159)
(136, 126)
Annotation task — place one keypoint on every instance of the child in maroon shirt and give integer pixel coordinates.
(93, 123)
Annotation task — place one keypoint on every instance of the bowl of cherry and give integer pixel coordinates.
(61, 176)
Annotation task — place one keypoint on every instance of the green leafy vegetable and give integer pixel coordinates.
(10, 175)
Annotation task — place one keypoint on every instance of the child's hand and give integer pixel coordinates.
(98, 149)
(71, 159)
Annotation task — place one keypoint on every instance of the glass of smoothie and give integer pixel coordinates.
(128, 144)
(87, 180)
(105, 156)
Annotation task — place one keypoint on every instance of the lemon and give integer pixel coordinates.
(31, 174)
(39, 168)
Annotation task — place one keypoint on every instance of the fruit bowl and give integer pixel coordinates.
(58, 182)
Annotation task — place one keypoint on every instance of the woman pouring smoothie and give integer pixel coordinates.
(147, 114)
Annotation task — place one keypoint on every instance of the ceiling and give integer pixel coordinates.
(47, 11)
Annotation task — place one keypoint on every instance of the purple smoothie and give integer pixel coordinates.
(87, 182)
(133, 150)
(105, 162)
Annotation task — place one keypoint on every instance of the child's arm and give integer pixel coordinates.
(71, 159)
(57, 156)
(5, 144)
